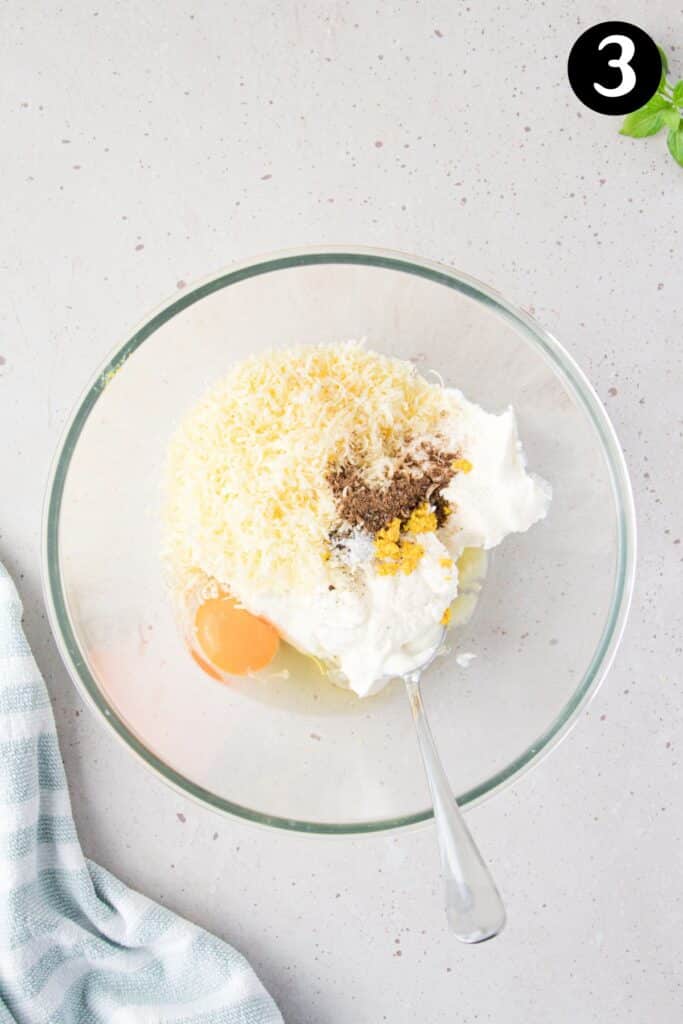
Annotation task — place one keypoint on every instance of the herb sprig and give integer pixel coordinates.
(664, 110)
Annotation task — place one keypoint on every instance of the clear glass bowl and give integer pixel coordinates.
(299, 753)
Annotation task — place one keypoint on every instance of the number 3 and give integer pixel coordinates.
(628, 75)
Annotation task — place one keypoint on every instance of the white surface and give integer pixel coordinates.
(193, 139)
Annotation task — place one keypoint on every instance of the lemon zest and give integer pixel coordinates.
(422, 520)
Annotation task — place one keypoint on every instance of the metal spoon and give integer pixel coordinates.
(474, 908)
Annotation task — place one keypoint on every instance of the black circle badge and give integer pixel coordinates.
(614, 67)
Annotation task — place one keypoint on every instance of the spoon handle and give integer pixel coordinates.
(474, 908)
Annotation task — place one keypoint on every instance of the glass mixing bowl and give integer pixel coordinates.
(299, 753)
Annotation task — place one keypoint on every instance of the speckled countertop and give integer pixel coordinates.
(144, 147)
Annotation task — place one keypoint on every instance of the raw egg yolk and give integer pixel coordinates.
(232, 639)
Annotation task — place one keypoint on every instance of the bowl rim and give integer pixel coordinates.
(547, 346)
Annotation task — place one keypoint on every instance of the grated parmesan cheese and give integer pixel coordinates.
(247, 502)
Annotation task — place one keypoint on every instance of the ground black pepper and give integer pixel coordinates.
(420, 476)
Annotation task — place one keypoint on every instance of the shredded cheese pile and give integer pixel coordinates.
(247, 502)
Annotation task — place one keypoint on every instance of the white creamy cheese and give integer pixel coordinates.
(498, 497)
(375, 628)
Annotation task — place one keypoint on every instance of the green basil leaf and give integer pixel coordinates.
(678, 93)
(647, 120)
(675, 143)
(671, 119)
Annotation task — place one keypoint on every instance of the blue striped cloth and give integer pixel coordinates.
(76, 945)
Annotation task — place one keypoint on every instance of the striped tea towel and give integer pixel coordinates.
(76, 945)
